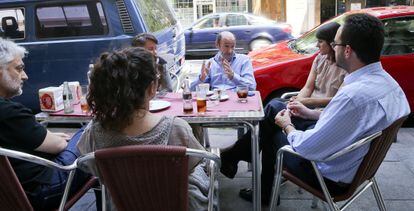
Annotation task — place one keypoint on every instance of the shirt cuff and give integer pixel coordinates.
(291, 136)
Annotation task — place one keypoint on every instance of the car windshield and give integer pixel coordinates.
(306, 44)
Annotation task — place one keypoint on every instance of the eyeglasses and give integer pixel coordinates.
(333, 44)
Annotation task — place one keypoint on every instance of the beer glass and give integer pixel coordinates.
(201, 91)
(83, 102)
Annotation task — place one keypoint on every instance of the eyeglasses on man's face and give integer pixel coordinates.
(334, 44)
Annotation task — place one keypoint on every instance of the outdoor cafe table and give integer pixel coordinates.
(229, 113)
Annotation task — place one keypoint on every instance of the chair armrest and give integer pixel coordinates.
(350, 148)
(288, 95)
(353, 146)
(213, 167)
(35, 159)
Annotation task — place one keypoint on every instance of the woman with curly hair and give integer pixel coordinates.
(122, 84)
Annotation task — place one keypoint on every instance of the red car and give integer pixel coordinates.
(285, 66)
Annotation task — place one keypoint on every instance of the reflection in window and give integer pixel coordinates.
(12, 23)
(208, 23)
(70, 20)
(157, 14)
(398, 36)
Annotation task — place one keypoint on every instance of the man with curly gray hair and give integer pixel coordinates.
(20, 131)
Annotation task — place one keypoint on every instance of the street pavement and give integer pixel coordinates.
(395, 177)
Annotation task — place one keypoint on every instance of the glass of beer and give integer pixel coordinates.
(242, 91)
(202, 90)
(83, 102)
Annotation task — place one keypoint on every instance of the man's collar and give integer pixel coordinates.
(362, 71)
(217, 57)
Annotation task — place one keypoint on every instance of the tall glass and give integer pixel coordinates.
(201, 91)
(83, 102)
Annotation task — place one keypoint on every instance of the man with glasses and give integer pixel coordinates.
(20, 131)
(370, 101)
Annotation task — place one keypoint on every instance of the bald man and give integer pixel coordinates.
(227, 69)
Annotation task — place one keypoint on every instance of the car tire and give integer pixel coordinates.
(259, 43)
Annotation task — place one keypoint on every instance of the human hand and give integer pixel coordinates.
(227, 69)
(282, 118)
(205, 69)
(293, 98)
(299, 110)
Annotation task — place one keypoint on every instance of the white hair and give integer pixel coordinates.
(9, 51)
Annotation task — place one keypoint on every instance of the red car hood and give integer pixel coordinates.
(273, 55)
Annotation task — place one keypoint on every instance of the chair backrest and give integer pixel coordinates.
(12, 195)
(376, 154)
(145, 177)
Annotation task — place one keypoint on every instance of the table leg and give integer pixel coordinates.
(256, 167)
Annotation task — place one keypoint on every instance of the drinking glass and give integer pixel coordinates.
(215, 98)
(201, 91)
(242, 91)
(83, 102)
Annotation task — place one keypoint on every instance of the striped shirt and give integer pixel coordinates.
(369, 101)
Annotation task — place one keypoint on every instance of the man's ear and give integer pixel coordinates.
(348, 51)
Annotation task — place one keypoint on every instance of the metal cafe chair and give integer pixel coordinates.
(148, 177)
(379, 142)
(12, 195)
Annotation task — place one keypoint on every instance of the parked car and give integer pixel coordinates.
(64, 36)
(252, 32)
(285, 66)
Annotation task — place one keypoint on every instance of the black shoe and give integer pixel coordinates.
(247, 194)
(228, 166)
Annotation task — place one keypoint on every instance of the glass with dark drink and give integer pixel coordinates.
(242, 91)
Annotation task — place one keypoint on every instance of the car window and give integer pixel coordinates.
(236, 20)
(398, 36)
(12, 23)
(257, 20)
(208, 23)
(157, 14)
(306, 44)
(70, 20)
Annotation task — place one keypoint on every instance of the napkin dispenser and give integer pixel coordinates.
(51, 98)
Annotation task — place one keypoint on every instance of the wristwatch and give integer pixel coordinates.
(284, 128)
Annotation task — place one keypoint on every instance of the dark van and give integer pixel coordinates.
(64, 36)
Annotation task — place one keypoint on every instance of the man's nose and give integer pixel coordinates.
(24, 76)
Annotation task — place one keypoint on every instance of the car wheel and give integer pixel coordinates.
(259, 43)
